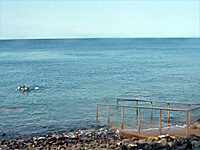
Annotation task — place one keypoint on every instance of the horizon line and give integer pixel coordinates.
(45, 38)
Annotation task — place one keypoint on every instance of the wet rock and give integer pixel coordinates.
(195, 144)
(184, 146)
(197, 124)
(147, 147)
(155, 145)
(47, 135)
(142, 145)
(3, 134)
(3, 142)
(193, 138)
(179, 141)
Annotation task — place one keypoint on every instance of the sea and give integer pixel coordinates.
(73, 75)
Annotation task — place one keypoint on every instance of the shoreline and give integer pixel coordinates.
(105, 137)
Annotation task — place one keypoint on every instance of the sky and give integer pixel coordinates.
(22, 19)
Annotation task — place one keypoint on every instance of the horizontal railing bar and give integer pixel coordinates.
(120, 99)
(158, 108)
(194, 108)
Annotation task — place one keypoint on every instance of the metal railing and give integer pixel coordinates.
(138, 112)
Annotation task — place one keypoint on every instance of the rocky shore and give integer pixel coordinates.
(102, 138)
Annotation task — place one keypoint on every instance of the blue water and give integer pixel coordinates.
(75, 74)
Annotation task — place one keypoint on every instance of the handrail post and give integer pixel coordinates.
(138, 120)
(189, 113)
(168, 114)
(151, 111)
(117, 103)
(122, 118)
(187, 124)
(160, 122)
(108, 110)
(137, 106)
(96, 112)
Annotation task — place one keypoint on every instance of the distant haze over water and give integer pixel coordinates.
(75, 74)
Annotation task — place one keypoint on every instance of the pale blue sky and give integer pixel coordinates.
(98, 19)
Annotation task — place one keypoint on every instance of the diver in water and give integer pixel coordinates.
(24, 88)
(36, 88)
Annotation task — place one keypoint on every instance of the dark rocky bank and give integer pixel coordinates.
(103, 138)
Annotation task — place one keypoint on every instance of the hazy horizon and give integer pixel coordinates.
(104, 38)
(99, 19)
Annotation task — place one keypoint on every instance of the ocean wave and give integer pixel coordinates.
(33, 118)
(7, 111)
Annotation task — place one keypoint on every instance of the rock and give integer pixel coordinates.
(104, 139)
(195, 144)
(3, 142)
(163, 142)
(180, 141)
(170, 139)
(193, 127)
(3, 134)
(134, 139)
(123, 147)
(182, 147)
(126, 140)
(132, 146)
(47, 135)
(155, 145)
(62, 138)
(41, 138)
(148, 147)
(15, 146)
(112, 147)
(150, 140)
(163, 136)
(103, 146)
(142, 141)
(36, 142)
(119, 143)
(197, 123)
(187, 145)
(193, 138)
(170, 144)
(51, 139)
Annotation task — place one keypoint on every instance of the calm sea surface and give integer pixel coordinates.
(75, 74)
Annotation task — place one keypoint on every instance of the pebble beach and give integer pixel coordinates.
(105, 137)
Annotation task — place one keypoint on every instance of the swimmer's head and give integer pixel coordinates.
(36, 88)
